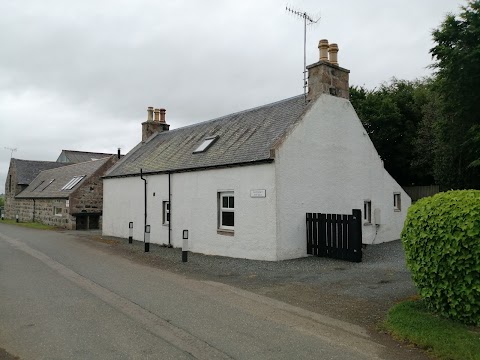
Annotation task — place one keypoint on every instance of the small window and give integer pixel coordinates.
(397, 202)
(71, 184)
(57, 211)
(367, 211)
(226, 211)
(207, 142)
(166, 212)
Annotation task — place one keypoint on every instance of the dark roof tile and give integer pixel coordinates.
(27, 170)
(38, 188)
(243, 137)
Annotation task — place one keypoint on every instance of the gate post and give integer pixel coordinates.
(309, 233)
(357, 235)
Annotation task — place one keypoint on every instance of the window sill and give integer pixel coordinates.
(225, 232)
(166, 224)
(397, 210)
(367, 224)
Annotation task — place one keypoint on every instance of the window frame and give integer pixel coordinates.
(221, 209)
(397, 204)
(367, 211)
(205, 145)
(165, 212)
(73, 182)
(55, 213)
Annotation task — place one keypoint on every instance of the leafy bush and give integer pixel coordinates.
(441, 238)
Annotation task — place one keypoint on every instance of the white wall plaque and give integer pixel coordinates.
(258, 193)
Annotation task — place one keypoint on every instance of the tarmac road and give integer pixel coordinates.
(63, 299)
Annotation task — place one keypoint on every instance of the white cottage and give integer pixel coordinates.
(242, 184)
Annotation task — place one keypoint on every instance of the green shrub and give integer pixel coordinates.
(441, 238)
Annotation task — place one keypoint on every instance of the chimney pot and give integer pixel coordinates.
(323, 47)
(332, 54)
(157, 114)
(162, 115)
(150, 113)
(118, 153)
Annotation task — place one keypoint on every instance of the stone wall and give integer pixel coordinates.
(52, 212)
(326, 78)
(10, 191)
(88, 198)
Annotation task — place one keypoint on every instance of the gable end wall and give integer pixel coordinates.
(328, 164)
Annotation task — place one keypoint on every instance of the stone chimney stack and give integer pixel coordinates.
(325, 76)
(154, 125)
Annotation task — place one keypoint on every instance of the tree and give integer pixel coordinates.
(392, 116)
(457, 63)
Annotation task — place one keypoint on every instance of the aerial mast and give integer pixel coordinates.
(307, 20)
(12, 150)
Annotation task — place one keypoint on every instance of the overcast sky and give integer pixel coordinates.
(80, 75)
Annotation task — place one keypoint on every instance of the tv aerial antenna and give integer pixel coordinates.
(307, 20)
(12, 150)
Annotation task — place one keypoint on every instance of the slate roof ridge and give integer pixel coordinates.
(83, 162)
(37, 161)
(231, 114)
(88, 152)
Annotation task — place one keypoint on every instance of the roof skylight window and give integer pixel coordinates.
(71, 184)
(36, 187)
(207, 142)
(52, 180)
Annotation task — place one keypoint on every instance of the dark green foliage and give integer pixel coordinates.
(457, 63)
(429, 131)
(441, 238)
(392, 116)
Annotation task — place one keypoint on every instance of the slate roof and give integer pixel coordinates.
(73, 156)
(41, 187)
(243, 137)
(27, 170)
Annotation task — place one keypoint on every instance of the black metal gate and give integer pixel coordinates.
(335, 235)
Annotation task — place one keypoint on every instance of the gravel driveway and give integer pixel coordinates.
(360, 293)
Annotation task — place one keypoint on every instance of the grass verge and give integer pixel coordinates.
(445, 339)
(32, 225)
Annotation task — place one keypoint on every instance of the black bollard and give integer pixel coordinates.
(130, 230)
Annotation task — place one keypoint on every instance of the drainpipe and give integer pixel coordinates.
(33, 220)
(170, 211)
(145, 221)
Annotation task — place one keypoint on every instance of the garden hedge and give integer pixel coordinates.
(441, 238)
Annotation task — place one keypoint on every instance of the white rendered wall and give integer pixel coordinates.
(328, 164)
(194, 207)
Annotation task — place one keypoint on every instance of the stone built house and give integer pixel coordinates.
(242, 184)
(22, 172)
(20, 175)
(70, 196)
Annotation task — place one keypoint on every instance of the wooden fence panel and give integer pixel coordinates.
(337, 236)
